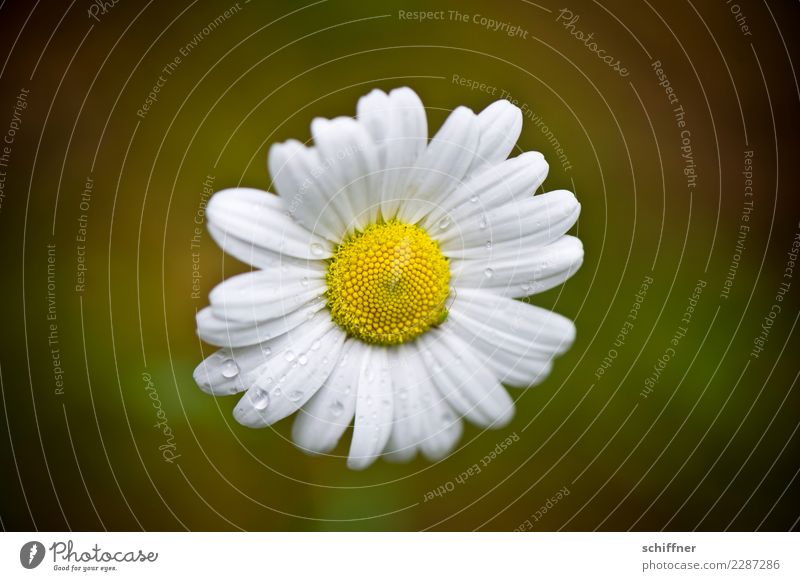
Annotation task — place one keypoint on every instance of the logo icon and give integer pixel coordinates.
(31, 554)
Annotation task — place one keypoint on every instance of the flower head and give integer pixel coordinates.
(387, 269)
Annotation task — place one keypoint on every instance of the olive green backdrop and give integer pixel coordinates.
(643, 425)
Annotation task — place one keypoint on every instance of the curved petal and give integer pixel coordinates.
(291, 377)
(407, 434)
(374, 410)
(245, 221)
(514, 271)
(398, 127)
(442, 167)
(230, 371)
(499, 126)
(528, 222)
(260, 257)
(515, 340)
(260, 295)
(322, 421)
(350, 162)
(441, 427)
(467, 384)
(307, 189)
(513, 179)
(228, 333)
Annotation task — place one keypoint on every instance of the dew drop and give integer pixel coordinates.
(266, 350)
(260, 399)
(277, 392)
(304, 282)
(316, 345)
(337, 409)
(474, 199)
(488, 273)
(289, 355)
(303, 359)
(444, 223)
(483, 222)
(229, 369)
(316, 249)
(295, 395)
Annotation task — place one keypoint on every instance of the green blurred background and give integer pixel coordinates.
(714, 446)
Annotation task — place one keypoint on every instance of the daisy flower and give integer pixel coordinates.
(386, 273)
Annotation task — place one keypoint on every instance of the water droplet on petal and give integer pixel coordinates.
(260, 399)
(303, 359)
(304, 282)
(266, 350)
(488, 273)
(316, 249)
(277, 392)
(315, 345)
(229, 369)
(483, 222)
(444, 223)
(289, 355)
(295, 395)
(474, 199)
(337, 409)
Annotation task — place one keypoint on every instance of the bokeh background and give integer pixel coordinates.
(713, 445)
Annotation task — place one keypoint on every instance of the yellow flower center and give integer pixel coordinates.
(388, 284)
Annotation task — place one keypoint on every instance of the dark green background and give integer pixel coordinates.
(714, 447)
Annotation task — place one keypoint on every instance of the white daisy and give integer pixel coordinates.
(388, 271)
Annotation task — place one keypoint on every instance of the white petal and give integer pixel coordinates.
(292, 376)
(306, 188)
(514, 179)
(499, 126)
(441, 427)
(229, 333)
(442, 167)
(230, 371)
(399, 130)
(262, 294)
(322, 421)
(350, 161)
(515, 340)
(374, 410)
(514, 271)
(226, 371)
(247, 222)
(467, 384)
(406, 363)
(528, 223)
